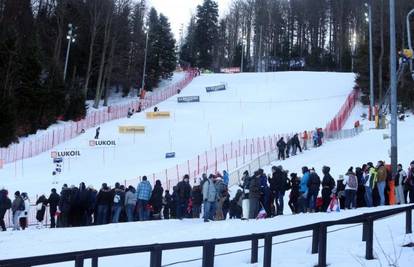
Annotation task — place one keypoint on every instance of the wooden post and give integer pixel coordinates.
(315, 239)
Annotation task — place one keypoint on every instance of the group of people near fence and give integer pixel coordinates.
(257, 195)
(289, 147)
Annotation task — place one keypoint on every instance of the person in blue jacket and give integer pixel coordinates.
(303, 190)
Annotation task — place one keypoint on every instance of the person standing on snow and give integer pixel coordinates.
(409, 183)
(197, 200)
(5, 204)
(328, 183)
(295, 145)
(210, 199)
(144, 190)
(41, 204)
(294, 193)
(368, 181)
(254, 195)
(314, 185)
(305, 138)
(281, 146)
(400, 176)
(130, 203)
(278, 183)
(156, 198)
(117, 202)
(351, 186)
(53, 202)
(183, 197)
(245, 185)
(303, 190)
(381, 181)
(25, 213)
(17, 207)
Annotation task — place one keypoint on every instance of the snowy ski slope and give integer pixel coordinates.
(254, 104)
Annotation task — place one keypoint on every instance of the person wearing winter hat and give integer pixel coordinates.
(328, 183)
(183, 197)
(210, 198)
(17, 209)
(53, 202)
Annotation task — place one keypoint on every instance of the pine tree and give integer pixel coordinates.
(168, 56)
(206, 33)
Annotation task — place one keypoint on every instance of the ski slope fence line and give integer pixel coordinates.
(338, 122)
(319, 244)
(62, 133)
(232, 155)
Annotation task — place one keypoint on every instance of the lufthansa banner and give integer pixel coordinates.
(220, 87)
(188, 99)
(131, 129)
(158, 114)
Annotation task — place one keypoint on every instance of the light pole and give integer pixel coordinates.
(393, 83)
(71, 39)
(145, 62)
(371, 59)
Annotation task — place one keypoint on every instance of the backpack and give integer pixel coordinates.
(352, 182)
(117, 198)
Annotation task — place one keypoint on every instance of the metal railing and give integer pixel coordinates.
(319, 243)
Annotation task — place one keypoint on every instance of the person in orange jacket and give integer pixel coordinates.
(305, 138)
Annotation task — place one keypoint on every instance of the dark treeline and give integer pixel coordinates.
(318, 35)
(107, 52)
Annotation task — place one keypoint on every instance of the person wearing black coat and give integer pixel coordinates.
(83, 196)
(183, 196)
(156, 199)
(294, 193)
(328, 183)
(64, 207)
(314, 184)
(278, 184)
(5, 204)
(167, 203)
(53, 202)
(103, 202)
(281, 146)
(361, 188)
(41, 204)
(295, 144)
(254, 195)
(197, 200)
